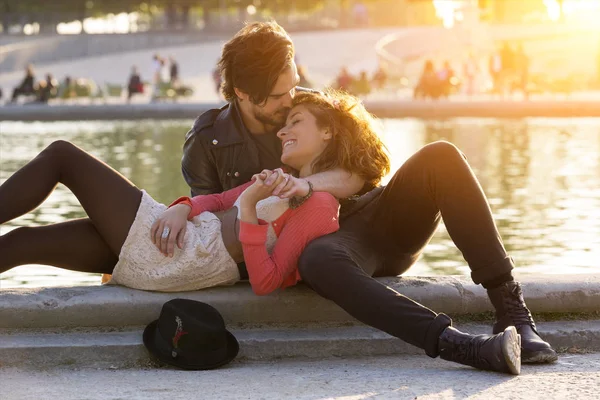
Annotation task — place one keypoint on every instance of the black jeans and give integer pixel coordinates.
(387, 236)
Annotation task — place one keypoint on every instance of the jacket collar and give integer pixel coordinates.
(229, 127)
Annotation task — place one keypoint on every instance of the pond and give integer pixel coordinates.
(542, 178)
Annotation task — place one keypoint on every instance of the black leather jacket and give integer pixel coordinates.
(218, 153)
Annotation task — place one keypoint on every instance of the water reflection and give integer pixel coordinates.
(542, 178)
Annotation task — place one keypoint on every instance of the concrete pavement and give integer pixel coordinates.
(574, 376)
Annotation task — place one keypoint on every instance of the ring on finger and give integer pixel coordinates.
(286, 179)
(165, 232)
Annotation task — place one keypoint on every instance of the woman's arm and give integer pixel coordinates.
(212, 202)
(315, 218)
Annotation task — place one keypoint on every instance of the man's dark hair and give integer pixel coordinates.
(253, 60)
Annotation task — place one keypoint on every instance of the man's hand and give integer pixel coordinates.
(170, 227)
(289, 187)
(293, 187)
(263, 186)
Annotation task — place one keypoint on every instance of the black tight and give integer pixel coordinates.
(89, 245)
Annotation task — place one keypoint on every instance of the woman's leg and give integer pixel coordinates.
(108, 198)
(74, 245)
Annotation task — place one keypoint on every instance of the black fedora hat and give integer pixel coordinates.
(191, 335)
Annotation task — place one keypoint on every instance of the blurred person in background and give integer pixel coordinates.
(66, 88)
(521, 73)
(362, 86)
(471, 73)
(446, 78)
(344, 80)
(495, 69)
(428, 84)
(380, 78)
(508, 57)
(159, 76)
(27, 85)
(173, 71)
(46, 89)
(134, 85)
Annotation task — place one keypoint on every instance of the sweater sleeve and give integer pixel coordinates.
(315, 218)
(212, 202)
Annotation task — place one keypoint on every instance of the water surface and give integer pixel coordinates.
(542, 178)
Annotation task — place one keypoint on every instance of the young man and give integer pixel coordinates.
(225, 147)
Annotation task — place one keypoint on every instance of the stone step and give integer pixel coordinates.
(123, 349)
(112, 306)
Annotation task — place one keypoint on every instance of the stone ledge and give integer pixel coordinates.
(381, 108)
(112, 306)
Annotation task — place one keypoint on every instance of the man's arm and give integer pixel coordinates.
(198, 167)
(338, 182)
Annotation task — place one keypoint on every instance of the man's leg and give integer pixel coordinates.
(438, 182)
(340, 266)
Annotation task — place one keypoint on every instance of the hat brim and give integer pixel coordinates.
(154, 346)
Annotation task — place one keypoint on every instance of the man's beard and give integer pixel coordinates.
(273, 121)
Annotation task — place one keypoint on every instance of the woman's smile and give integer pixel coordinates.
(288, 143)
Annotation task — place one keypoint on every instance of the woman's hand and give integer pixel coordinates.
(170, 227)
(263, 186)
(287, 188)
(291, 188)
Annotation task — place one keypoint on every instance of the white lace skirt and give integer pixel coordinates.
(203, 262)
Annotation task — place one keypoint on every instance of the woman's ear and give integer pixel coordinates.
(327, 134)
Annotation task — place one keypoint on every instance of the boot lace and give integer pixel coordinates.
(467, 351)
(516, 308)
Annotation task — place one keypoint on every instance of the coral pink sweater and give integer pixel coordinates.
(294, 229)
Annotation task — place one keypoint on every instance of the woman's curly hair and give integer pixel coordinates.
(356, 146)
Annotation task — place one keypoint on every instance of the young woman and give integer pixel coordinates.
(194, 243)
(132, 237)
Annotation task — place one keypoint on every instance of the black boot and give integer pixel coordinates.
(500, 353)
(511, 310)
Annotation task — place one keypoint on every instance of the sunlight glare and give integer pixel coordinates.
(575, 12)
(111, 23)
(452, 11)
